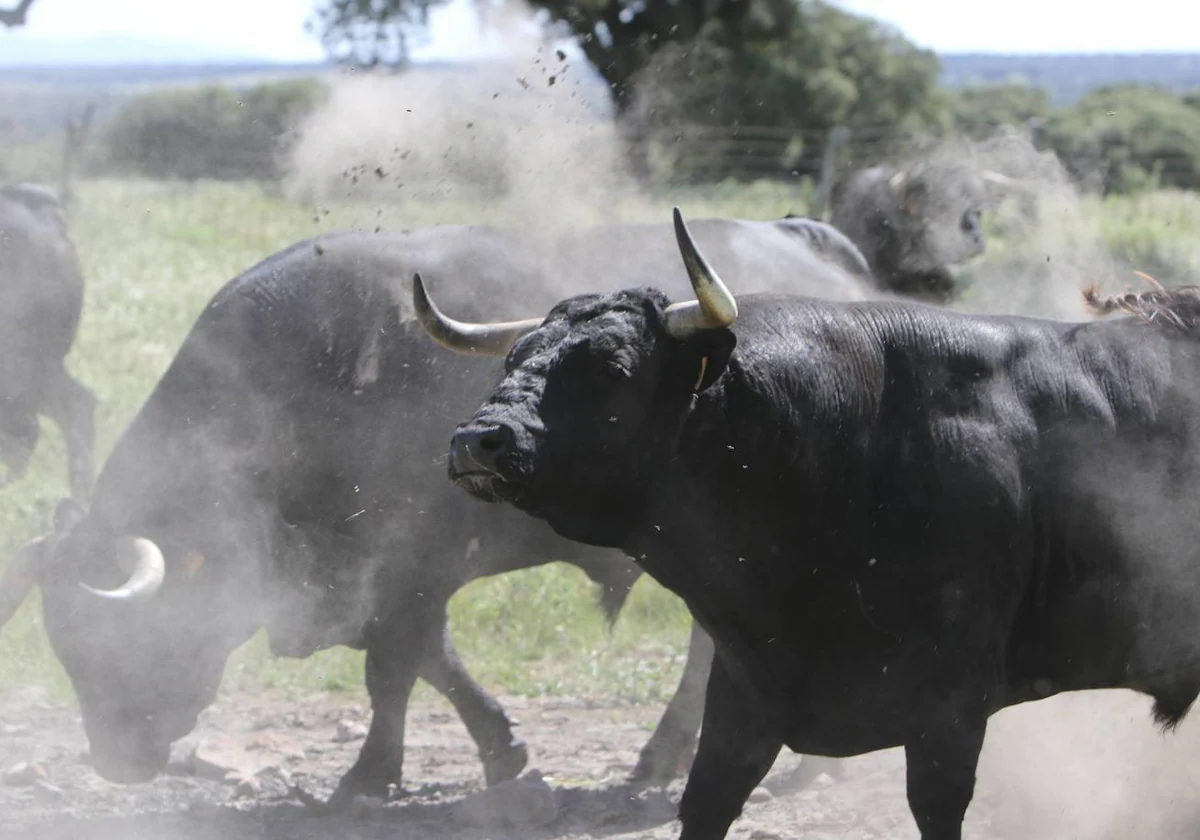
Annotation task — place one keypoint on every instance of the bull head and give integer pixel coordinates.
(714, 308)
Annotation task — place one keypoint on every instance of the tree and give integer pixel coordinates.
(828, 68)
(618, 37)
(15, 16)
(370, 32)
(1131, 136)
(977, 111)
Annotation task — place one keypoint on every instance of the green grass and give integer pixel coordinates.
(153, 255)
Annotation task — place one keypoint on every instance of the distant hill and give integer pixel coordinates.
(36, 95)
(35, 99)
(17, 49)
(1068, 77)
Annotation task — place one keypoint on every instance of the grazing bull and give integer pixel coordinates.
(41, 299)
(914, 224)
(893, 520)
(286, 473)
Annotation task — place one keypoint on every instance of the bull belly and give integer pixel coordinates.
(857, 705)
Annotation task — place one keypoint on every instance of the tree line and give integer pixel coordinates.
(707, 90)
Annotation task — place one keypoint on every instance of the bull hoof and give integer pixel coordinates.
(505, 764)
(356, 783)
(663, 765)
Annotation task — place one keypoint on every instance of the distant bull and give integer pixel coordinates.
(287, 473)
(915, 224)
(893, 520)
(41, 300)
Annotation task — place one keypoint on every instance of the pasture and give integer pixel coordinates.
(153, 254)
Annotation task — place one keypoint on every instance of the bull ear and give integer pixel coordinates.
(707, 356)
(913, 194)
(67, 515)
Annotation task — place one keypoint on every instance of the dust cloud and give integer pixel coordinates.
(529, 135)
(1043, 243)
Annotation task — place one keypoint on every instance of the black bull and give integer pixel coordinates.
(286, 473)
(893, 520)
(41, 300)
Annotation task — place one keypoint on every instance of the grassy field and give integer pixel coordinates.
(153, 255)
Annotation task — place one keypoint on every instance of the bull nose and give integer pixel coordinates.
(477, 448)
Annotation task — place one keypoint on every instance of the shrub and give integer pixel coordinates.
(1131, 137)
(209, 132)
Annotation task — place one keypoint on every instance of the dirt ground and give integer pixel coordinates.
(583, 752)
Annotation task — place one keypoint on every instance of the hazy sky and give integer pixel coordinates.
(275, 28)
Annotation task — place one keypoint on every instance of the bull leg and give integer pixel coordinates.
(670, 749)
(395, 644)
(941, 774)
(503, 755)
(19, 434)
(735, 752)
(72, 407)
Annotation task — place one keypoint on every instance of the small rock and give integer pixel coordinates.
(275, 774)
(348, 730)
(46, 792)
(24, 773)
(247, 789)
(760, 794)
(527, 802)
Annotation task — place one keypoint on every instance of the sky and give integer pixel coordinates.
(274, 29)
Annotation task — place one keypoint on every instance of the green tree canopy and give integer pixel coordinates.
(1130, 135)
(16, 15)
(827, 68)
(977, 111)
(618, 37)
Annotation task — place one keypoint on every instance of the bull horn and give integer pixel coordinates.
(714, 307)
(472, 339)
(19, 577)
(148, 571)
(993, 177)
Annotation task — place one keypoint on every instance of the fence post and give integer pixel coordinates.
(75, 137)
(834, 144)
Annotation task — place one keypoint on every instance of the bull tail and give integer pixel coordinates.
(1178, 306)
(615, 578)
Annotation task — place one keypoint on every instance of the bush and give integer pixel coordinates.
(1130, 137)
(210, 131)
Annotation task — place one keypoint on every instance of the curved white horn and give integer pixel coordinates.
(714, 307)
(146, 576)
(472, 339)
(19, 577)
